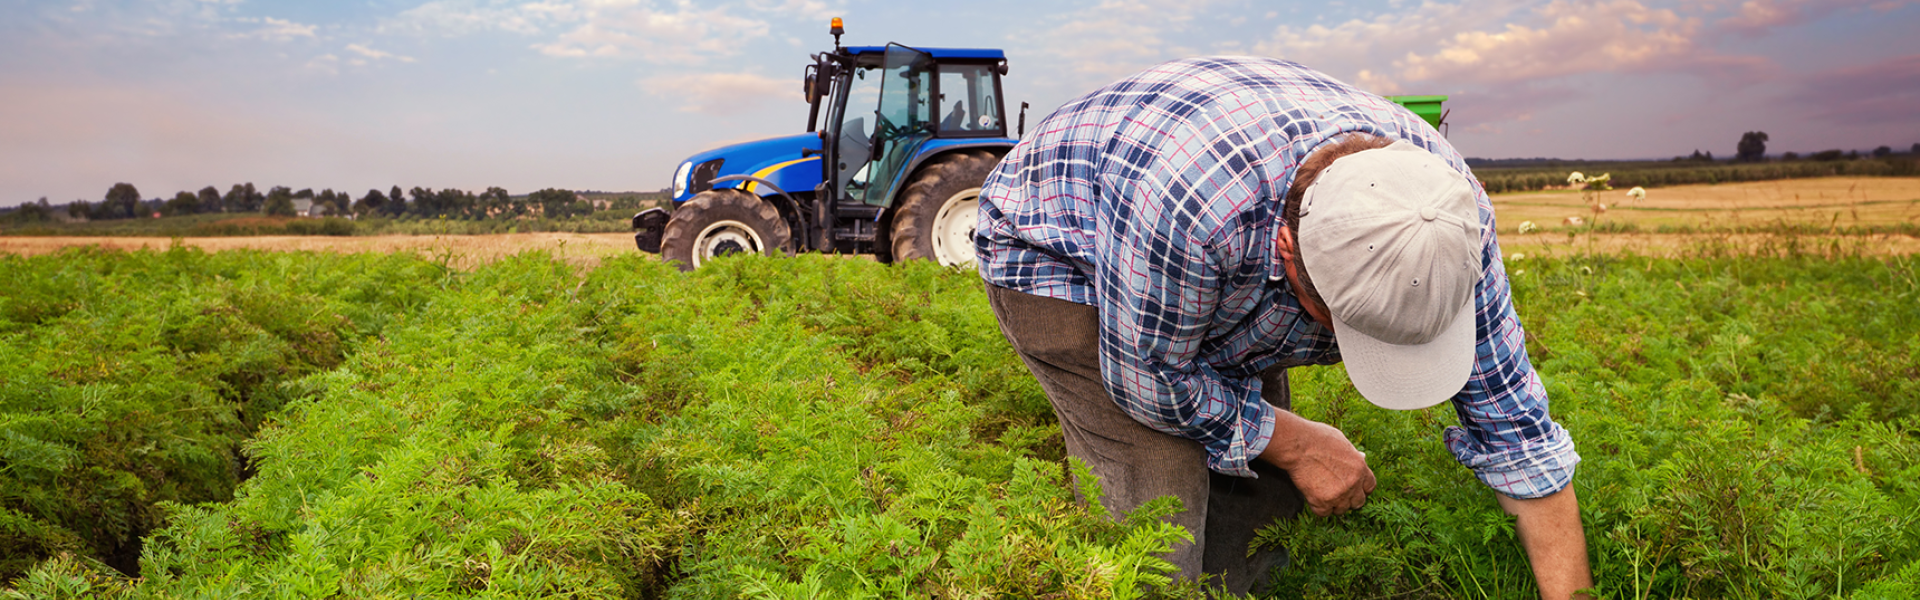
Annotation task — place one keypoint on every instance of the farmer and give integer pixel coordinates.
(1161, 250)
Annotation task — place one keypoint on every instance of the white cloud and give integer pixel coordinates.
(279, 30)
(660, 31)
(680, 34)
(376, 55)
(723, 93)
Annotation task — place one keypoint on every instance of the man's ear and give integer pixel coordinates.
(1283, 243)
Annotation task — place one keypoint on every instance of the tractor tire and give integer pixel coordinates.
(938, 211)
(720, 222)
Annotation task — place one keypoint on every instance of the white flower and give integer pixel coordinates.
(1575, 221)
(1528, 227)
(1576, 178)
(1637, 193)
(1518, 256)
(1602, 207)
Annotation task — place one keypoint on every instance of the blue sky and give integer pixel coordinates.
(175, 95)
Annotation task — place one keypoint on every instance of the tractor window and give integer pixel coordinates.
(856, 128)
(966, 100)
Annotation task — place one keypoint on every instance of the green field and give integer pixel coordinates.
(255, 424)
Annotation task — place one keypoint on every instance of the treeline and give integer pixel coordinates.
(1542, 175)
(123, 201)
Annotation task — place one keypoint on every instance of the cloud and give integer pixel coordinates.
(1758, 16)
(723, 93)
(369, 54)
(1878, 94)
(681, 34)
(660, 31)
(271, 29)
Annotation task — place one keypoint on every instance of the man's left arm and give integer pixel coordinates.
(1511, 442)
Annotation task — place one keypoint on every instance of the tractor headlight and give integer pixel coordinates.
(680, 178)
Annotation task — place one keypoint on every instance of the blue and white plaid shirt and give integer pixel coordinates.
(1156, 199)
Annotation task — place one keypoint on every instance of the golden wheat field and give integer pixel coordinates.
(1712, 212)
(1829, 202)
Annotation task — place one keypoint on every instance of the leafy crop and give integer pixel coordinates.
(312, 425)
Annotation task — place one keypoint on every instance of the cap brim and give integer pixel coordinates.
(1409, 377)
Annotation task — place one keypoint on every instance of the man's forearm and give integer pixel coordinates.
(1549, 529)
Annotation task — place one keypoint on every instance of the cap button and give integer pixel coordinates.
(1429, 213)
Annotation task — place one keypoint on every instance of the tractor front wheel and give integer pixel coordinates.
(937, 213)
(720, 222)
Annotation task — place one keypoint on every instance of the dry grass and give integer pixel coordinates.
(460, 250)
(1831, 202)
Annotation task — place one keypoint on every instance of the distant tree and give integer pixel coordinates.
(1701, 157)
(79, 210)
(1853, 155)
(279, 202)
(1752, 148)
(1882, 151)
(372, 203)
(183, 203)
(554, 203)
(122, 202)
(305, 194)
(1916, 147)
(1790, 156)
(396, 201)
(494, 203)
(242, 198)
(32, 212)
(1826, 155)
(208, 200)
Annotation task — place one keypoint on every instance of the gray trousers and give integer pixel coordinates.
(1059, 341)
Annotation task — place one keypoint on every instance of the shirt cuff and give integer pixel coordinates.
(1251, 436)
(1532, 470)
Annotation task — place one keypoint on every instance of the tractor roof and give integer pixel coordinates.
(937, 52)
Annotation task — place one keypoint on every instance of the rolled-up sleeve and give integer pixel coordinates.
(1506, 435)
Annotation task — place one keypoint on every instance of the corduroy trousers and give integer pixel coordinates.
(1059, 341)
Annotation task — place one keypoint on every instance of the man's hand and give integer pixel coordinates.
(1329, 471)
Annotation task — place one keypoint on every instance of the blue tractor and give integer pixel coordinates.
(898, 142)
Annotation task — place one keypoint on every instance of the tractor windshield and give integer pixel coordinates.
(904, 120)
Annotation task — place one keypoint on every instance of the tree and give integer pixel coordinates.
(279, 202)
(1752, 148)
(122, 202)
(1882, 151)
(1790, 156)
(183, 203)
(1916, 147)
(372, 203)
(209, 200)
(32, 212)
(396, 201)
(554, 203)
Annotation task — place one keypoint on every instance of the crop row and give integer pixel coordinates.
(307, 425)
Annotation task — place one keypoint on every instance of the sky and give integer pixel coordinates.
(611, 95)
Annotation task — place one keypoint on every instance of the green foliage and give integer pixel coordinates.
(380, 426)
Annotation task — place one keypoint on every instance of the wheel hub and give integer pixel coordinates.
(953, 228)
(723, 238)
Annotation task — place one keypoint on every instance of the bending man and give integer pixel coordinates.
(1161, 250)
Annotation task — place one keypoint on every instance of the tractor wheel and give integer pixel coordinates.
(720, 222)
(938, 211)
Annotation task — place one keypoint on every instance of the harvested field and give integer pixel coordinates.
(459, 250)
(1825, 203)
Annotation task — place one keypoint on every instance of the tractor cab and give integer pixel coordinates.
(884, 105)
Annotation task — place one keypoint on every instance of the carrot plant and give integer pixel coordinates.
(310, 425)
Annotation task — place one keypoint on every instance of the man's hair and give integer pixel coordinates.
(1304, 177)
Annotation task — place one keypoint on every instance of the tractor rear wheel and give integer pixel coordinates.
(720, 222)
(936, 215)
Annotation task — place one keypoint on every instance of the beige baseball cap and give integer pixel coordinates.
(1391, 239)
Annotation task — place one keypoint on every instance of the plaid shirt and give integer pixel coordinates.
(1156, 199)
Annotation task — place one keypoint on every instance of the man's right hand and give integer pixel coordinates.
(1329, 471)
